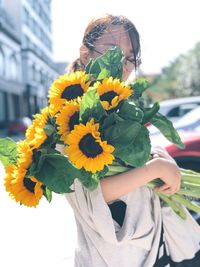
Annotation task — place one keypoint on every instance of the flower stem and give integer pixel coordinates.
(190, 187)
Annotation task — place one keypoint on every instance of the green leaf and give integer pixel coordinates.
(49, 129)
(93, 68)
(8, 151)
(58, 174)
(149, 113)
(47, 193)
(91, 107)
(110, 120)
(122, 132)
(109, 64)
(139, 87)
(54, 171)
(131, 112)
(137, 152)
(91, 182)
(167, 129)
(102, 173)
(103, 74)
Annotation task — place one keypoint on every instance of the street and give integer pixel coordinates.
(42, 236)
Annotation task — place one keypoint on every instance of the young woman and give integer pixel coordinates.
(122, 222)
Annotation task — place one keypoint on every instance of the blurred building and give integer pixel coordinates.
(11, 82)
(62, 67)
(26, 66)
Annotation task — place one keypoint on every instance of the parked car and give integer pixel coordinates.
(18, 126)
(174, 109)
(189, 130)
(190, 121)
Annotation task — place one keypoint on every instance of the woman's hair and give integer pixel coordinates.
(96, 29)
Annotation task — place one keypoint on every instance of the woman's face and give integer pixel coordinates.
(116, 35)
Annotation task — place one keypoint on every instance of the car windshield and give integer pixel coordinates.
(190, 117)
(190, 121)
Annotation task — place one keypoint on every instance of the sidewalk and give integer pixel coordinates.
(45, 236)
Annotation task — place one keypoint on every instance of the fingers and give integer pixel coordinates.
(161, 188)
(166, 189)
(170, 191)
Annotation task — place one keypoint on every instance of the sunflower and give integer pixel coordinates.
(35, 134)
(25, 154)
(24, 189)
(67, 119)
(53, 109)
(112, 92)
(86, 149)
(9, 171)
(67, 88)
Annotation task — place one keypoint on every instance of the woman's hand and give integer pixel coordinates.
(168, 171)
(170, 174)
(115, 186)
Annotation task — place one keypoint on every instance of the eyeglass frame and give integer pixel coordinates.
(125, 60)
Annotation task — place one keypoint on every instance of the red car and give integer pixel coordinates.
(189, 157)
(18, 126)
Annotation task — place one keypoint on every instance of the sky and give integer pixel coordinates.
(167, 28)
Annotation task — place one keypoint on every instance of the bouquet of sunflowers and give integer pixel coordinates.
(100, 122)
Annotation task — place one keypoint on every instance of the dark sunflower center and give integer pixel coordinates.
(108, 96)
(72, 92)
(89, 146)
(74, 120)
(30, 185)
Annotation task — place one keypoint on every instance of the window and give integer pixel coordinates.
(31, 24)
(50, 46)
(174, 112)
(28, 42)
(25, 16)
(181, 110)
(48, 80)
(33, 74)
(34, 47)
(34, 26)
(42, 77)
(2, 62)
(36, 7)
(13, 68)
(185, 108)
(2, 107)
(37, 30)
(39, 52)
(25, 41)
(40, 11)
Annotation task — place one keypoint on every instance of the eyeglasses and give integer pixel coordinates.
(129, 62)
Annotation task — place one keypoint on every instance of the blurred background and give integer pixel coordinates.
(38, 39)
